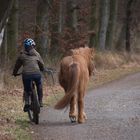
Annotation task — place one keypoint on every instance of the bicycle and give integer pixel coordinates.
(34, 106)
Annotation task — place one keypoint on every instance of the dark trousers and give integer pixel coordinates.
(27, 80)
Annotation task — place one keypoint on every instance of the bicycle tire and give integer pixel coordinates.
(35, 108)
(30, 113)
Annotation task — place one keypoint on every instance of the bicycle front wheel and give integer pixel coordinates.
(36, 108)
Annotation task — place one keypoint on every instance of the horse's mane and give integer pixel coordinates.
(87, 53)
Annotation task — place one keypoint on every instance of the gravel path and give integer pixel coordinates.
(113, 112)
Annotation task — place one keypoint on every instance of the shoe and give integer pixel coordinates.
(26, 108)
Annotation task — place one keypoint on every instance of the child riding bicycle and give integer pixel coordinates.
(32, 64)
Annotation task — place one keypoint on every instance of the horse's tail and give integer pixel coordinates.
(72, 86)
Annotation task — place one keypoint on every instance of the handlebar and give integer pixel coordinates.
(49, 70)
(18, 74)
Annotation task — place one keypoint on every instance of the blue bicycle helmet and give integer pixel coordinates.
(28, 42)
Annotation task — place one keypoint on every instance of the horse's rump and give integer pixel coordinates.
(69, 83)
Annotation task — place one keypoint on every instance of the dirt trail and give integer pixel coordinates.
(113, 112)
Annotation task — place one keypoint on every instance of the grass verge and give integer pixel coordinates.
(13, 122)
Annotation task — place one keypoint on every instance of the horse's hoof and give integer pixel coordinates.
(85, 116)
(73, 119)
(81, 120)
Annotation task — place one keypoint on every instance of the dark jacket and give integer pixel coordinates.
(31, 62)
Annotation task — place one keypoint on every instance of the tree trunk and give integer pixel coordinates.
(12, 31)
(42, 21)
(93, 24)
(104, 10)
(69, 21)
(3, 49)
(62, 15)
(74, 15)
(128, 25)
(112, 24)
(54, 27)
(5, 9)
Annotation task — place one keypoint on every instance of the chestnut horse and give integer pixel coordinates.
(75, 70)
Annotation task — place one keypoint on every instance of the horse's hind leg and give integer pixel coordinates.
(73, 113)
(81, 115)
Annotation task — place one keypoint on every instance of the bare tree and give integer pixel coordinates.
(104, 10)
(42, 26)
(62, 15)
(93, 23)
(6, 6)
(12, 31)
(3, 49)
(112, 24)
(128, 22)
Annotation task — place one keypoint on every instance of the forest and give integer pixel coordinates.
(59, 25)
